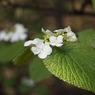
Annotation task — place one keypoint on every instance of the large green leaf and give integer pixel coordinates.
(75, 64)
(37, 70)
(9, 50)
(87, 37)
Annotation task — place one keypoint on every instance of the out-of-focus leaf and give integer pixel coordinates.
(23, 57)
(37, 70)
(23, 89)
(9, 82)
(93, 2)
(87, 37)
(39, 35)
(9, 50)
(41, 90)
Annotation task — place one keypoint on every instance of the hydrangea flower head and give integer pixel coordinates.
(57, 38)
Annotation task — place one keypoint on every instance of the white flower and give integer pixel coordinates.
(56, 41)
(41, 49)
(19, 34)
(47, 32)
(70, 35)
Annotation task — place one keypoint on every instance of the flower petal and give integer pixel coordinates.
(48, 32)
(35, 50)
(43, 30)
(28, 43)
(67, 29)
(38, 42)
(70, 34)
(47, 50)
(60, 39)
(59, 45)
(42, 55)
(59, 30)
(73, 38)
(52, 39)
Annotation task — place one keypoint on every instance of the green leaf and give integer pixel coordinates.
(9, 50)
(37, 70)
(23, 89)
(41, 90)
(93, 2)
(23, 57)
(75, 64)
(87, 37)
(9, 82)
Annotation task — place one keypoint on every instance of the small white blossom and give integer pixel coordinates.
(41, 49)
(70, 35)
(56, 41)
(47, 32)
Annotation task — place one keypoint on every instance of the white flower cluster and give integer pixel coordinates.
(17, 33)
(56, 38)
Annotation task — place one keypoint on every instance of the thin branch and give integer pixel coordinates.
(49, 11)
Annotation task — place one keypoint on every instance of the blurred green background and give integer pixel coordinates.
(33, 78)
